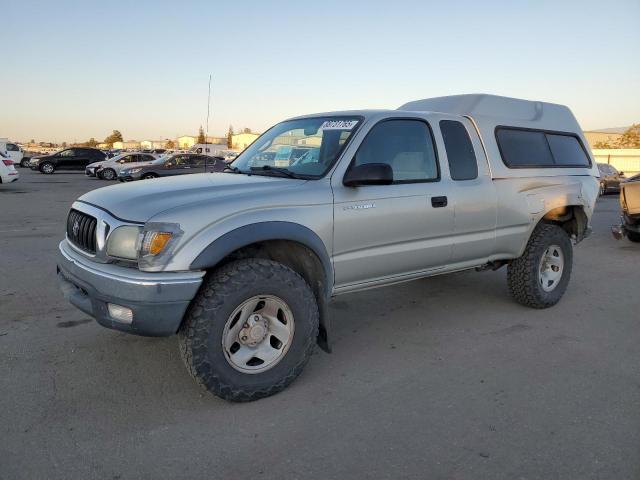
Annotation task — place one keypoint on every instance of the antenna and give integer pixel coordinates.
(206, 135)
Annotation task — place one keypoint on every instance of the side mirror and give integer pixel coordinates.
(621, 174)
(368, 174)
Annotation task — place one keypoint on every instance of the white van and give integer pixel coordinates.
(210, 149)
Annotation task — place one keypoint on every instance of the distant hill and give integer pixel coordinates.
(610, 130)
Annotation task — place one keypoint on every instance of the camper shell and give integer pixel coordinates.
(489, 113)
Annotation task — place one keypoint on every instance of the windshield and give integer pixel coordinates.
(305, 148)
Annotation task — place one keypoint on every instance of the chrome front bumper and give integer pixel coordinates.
(158, 300)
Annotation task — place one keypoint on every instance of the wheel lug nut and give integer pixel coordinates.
(256, 318)
(244, 337)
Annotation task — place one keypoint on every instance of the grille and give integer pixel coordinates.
(81, 230)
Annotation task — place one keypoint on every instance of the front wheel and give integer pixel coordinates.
(539, 278)
(250, 330)
(24, 163)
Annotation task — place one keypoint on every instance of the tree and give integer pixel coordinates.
(201, 138)
(92, 142)
(116, 136)
(246, 130)
(32, 141)
(230, 137)
(64, 144)
(631, 138)
(169, 144)
(603, 144)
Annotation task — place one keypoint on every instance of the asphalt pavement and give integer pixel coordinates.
(441, 378)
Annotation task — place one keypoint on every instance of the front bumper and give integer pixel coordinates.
(158, 300)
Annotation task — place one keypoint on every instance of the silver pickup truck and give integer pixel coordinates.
(242, 264)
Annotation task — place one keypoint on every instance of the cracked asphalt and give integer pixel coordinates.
(441, 378)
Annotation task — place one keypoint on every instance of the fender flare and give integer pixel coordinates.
(261, 232)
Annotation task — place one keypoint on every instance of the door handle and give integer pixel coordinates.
(438, 202)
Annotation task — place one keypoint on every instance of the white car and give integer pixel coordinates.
(8, 172)
(109, 169)
(13, 152)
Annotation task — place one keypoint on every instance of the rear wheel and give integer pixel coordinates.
(250, 331)
(634, 236)
(149, 176)
(47, 167)
(539, 278)
(108, 174)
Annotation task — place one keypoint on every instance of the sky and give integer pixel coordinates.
(79, 69)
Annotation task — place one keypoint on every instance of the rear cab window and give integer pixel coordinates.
(463, 164)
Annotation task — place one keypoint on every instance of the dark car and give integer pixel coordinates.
(610, 178)
(75, 158)
(179, 164)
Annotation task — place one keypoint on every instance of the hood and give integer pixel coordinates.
(141, 200)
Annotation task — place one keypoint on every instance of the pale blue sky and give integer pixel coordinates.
(77, 69)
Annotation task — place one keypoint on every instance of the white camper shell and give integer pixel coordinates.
(489, 113)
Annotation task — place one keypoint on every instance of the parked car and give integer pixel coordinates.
(630, 206)
(173, 165)
(610, 178)
(241, 265)
(14, 152)
(75, 158)
(109, 169)
(8, 173)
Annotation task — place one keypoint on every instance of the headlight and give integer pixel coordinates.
(158, 242)
(124, 242)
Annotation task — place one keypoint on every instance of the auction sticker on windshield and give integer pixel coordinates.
(338, 124)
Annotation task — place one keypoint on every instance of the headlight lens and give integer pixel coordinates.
(124, 242)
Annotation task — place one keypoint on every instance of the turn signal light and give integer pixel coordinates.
(156, 241)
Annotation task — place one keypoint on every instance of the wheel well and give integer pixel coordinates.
(571, 218)
(301, 260)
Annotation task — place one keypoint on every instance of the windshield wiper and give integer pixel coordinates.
(269, 168)
(231, 168)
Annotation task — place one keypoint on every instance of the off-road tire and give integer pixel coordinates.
(633, 237)
(111, 174)
(522, 273)
(200, 336)
(42, 168)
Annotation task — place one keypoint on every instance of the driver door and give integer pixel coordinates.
(387, 232)
(67, 159)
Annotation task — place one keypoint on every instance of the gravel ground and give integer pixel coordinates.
(439, 378)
